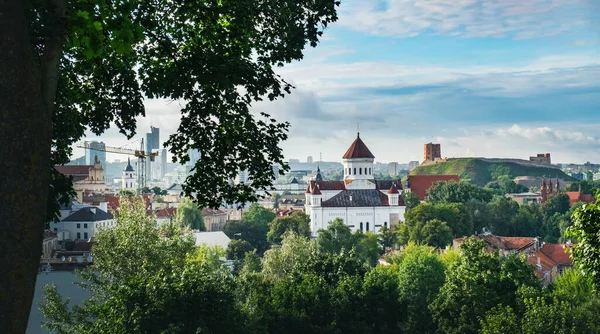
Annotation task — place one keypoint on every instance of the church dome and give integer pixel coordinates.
(358, 150)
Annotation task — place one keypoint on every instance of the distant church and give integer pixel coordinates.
(362, 202)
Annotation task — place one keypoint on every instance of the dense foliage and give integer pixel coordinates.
(324, 285)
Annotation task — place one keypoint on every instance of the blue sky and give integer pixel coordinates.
(495, 78)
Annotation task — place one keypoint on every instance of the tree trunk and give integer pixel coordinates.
(25, 137)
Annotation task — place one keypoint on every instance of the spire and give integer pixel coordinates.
(557, 185)
(318, 177)
(128, 168)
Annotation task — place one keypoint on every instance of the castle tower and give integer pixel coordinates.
(128, 177)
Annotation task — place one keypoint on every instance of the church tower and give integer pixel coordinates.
(544, 190)
(128, 177)
(358, 162)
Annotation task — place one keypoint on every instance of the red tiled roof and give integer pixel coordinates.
(358, 150)
(495, 242)
(576, 196)
(545, 262)
(508, 243)
(386, 184)
(331, 185)
(558, 253)
(419, 184)
(74, 169)
(166, 212)
(393, 190)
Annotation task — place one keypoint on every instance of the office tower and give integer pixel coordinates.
(96, 149)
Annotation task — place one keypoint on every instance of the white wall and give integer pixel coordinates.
(376, 217)
(84, 227)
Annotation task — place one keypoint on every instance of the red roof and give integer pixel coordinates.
(358, 150)
(576, 196)
(508, 243)
(74, 169)
(419, 184)
(558, 253)
(393, 189)
(313, 188)
(166, 212)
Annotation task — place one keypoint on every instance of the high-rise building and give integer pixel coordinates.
(412, 165)
(96, 149)
(309, 159)
(393, 168)
(152, 144)
(432, 152)
(163, 163)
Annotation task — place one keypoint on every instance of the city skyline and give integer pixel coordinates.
(483, 78)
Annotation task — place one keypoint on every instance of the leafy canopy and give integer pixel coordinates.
(215, 57)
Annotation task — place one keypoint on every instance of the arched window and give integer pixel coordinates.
(361, 226)
(370, 171)
(354, 170)
(360, 171)
(385, 224)
(367, 227)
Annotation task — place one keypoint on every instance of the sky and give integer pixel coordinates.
(492, 78)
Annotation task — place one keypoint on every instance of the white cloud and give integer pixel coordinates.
(467, 18)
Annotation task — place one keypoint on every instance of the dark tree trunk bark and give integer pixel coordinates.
(25, 137)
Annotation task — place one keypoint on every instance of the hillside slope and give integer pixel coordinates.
(481, 172)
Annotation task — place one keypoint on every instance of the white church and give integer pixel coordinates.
(361, 201)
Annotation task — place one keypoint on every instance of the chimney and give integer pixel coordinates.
(103, 206)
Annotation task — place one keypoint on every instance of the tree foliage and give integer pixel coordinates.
(190, 214)
(586, 230)
(478, 282)
(147, 279)
(298, 223)
(253, 227)
(69, 66)
(456, 192)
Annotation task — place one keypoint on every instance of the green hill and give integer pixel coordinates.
(481, 172)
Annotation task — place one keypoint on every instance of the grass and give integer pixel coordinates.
(481, 172)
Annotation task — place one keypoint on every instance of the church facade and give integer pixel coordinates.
(362, 202)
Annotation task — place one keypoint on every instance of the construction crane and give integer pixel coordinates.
(140, 154)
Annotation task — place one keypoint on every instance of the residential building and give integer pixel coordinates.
(363, 203)
(166, 215)
(82, 224)
(212, 239)
(550, 261)
(214, 220)
(506, 245)
(526, 198)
